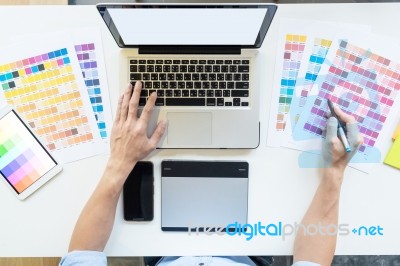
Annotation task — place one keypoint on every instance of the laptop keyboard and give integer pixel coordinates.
(194, 82)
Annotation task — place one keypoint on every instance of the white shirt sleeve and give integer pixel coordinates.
(306, 263)
(84, 258)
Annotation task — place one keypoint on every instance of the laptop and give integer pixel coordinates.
(201, 60)
(203, 194)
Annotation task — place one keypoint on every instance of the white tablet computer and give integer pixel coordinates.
(25, 163)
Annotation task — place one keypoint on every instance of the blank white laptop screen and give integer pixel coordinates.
(227, 26)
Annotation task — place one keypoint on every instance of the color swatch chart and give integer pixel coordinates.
(294, 48)
(44, 90)
(361, 83)
(87, 59)
(22, 161)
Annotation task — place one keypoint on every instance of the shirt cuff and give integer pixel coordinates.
(84, 257)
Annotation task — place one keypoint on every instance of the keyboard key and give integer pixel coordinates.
(243, 69)
(236, 62)
(144, 93)
(233, 69)
(185, 93)
(210, 93)
(220, 62)
(168, 62)
(236, 100)
(160, 93)
(224, 68)
(242, 85)
(240, 93)
(189, 85)
(212, 77)
(151, 91)
(164, 85)
(220, 77)
(210, 62)
(133, 61)
(208, 68)
(245, 77)
(162, 76)
(146, 76)
(193, 93)
(186, 62)
(191, 68)
(172, 85)
(171, 76)
(187, 76)
(160, 101)
(220, 101)
(214, 85)
(193, 62)
(230, 85)
(199, 68)
(133, 68)
(142, 61)
(156, 84)
(210, 101)
(177, 93)
(237, 77)
(203, 76)
(228, 76)
(245, 62)
(222, 85)
(142, 101)
(206, 85)
(245, 104)
(228, 103)
(185, 101)
(175, 68)
(142, 68)
(181, 84)
(154, 76)
(228, 62)
(227, 93)
(202, 62)
(136, 76)
(176, 61)
(216, 68)
(218, 93)
(179, 76)
(183, 68)
(201, 93)
(197, 85)
(159, 61)
(168, 93)
(195, 77)
(166, 68)
(151, 62)
(159, 68)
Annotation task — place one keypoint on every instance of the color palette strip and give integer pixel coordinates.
(293, 53)
(316, 59)
(44, 90)
(87, 59)
(362, 83)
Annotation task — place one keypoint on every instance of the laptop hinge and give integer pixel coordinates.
(171, 49)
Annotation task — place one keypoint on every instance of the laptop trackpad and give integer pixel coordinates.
(189, 129)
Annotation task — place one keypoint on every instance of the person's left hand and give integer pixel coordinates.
(129, 140)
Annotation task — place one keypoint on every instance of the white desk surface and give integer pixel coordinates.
(278, 190)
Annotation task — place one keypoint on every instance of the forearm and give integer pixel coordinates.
(323, 212)
(95, 223)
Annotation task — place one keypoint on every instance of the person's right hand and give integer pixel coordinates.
(334, 153)
(129, 140)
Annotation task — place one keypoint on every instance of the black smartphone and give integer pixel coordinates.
(138, 193)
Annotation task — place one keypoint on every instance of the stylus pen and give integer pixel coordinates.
(340, 130)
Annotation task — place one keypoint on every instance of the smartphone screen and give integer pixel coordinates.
(138, 193)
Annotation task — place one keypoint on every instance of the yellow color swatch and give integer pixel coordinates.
(393, 156)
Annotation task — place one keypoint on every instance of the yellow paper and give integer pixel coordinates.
(393, 156)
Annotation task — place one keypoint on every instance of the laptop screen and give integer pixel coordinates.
(214, 25)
